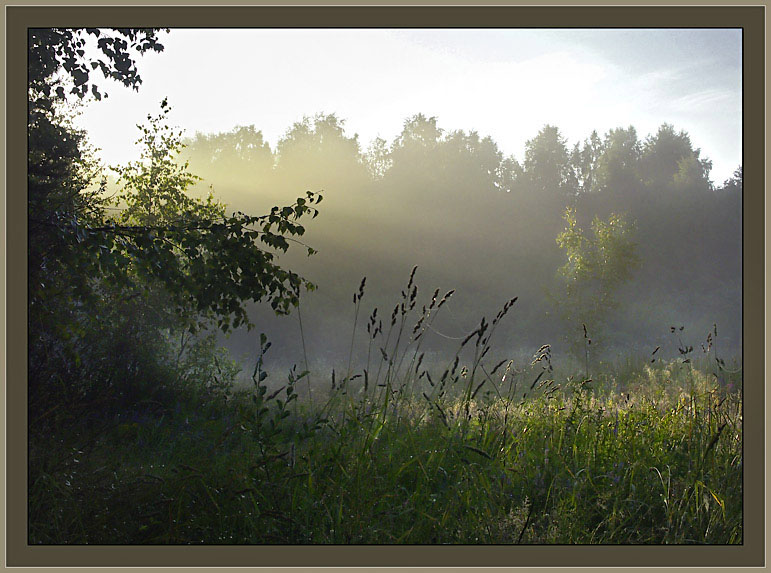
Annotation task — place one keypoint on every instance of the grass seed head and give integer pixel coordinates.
(445, 298)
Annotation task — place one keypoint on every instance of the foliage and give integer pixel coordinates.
(692, 174)
(316, 149)
(584, 162)
(669, 156)
(645, 454)
(65, 201)
(62, 198)
(240, 153)
(618, 165)
(486, 451)
(189, 245)
(736, 182)
(547, 162)
(177, 261)
(597, 265)
(154, 188)
(378, 158)
(419, 132)
(55, 51)
(205, 260)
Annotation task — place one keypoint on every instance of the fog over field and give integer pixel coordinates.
(486, 226)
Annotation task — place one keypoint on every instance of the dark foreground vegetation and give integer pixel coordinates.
(647, 451)
(144, 429)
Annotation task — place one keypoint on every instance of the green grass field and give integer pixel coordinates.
(637, 455)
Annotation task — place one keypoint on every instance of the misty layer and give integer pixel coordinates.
(485, 225)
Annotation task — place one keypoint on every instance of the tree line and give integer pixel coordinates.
(618, 161)
(486, 223)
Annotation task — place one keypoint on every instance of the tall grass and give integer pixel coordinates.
(482, 450)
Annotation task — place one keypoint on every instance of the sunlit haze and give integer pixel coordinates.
(505, 83)
(387, 286)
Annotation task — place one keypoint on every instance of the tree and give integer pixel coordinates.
(598, 263)
(61, 51)
(618, 164)
(510, 172)
(419, 131)
(378, 158)
(584, 162)
(692, 174)
(317, 150)
(415, 149)
(205, 259)
(669, 157)
(735, 183)
(81, 260)
(472, 161)
(154, 189)
(547, 163)
(65, 196)
(62, 200)
(239, 153)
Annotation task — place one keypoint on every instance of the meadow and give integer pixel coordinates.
(643, 450)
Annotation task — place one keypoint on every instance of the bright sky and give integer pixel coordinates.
(505, 83)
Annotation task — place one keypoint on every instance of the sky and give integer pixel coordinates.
(505, 83)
